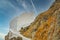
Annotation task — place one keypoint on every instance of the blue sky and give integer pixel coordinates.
(12, 8)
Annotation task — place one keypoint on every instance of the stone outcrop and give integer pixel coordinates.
(7, 37)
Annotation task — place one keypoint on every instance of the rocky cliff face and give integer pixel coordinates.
(46, 26)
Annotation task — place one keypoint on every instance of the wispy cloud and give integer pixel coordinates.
(33, 6)
(24, 5)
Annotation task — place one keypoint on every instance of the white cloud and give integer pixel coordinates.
(23, 20)
(2, 35)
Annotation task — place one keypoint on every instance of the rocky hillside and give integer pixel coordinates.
(46, 26)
